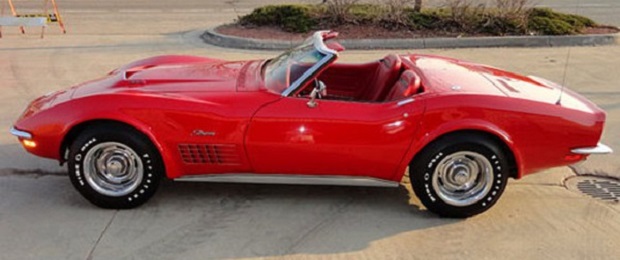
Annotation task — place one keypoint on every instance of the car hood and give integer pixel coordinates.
(451, 75)
(195, 77)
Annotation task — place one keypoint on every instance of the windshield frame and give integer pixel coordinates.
(316, 40)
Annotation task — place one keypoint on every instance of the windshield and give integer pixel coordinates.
(294, 67)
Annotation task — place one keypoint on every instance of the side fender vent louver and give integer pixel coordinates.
(223, 154)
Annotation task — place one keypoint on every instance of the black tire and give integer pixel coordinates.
(114, 166)
(447, 170)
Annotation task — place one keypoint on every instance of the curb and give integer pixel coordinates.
(212, 37)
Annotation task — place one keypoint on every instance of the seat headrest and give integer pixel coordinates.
(409, 83)
(391, 61)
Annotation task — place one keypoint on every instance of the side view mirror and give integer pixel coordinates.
(318, 92)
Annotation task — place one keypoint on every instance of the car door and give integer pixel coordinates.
(334, 138)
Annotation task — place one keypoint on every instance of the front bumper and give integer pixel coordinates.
(21, 134)
(598, 149)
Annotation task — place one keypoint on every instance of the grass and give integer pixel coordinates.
(290, 18)
(476, 21)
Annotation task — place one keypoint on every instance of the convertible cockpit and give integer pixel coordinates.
(385, 80)
(312, 65)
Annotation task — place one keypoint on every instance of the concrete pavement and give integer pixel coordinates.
(43, 217)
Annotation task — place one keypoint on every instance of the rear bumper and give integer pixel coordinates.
(21, 134)
(598, 149)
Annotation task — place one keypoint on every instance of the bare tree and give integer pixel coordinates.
(339, 9)
(396, 11)
(417, 5)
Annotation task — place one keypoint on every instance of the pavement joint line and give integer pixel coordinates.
(211, 37)
(241, 10)
(203, 10)
(85, 11)
(323, 222)
(32, 173)
(552, 185)
(145, 11)
(92, 250)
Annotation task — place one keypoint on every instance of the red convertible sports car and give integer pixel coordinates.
(461, 129)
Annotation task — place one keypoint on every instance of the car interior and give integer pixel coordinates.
(387, 79)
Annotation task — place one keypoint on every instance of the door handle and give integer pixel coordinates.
(404, 102)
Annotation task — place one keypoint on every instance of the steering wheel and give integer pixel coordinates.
(318, 91)
(320, 88)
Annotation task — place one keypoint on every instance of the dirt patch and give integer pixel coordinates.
(600, 30)
(350, 31)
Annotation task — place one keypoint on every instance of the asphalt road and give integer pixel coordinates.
(42, 217)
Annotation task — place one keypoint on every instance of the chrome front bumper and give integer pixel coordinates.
(598, 149)
(20, 133)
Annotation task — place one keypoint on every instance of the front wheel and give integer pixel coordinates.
(114, 166)
(459, 175)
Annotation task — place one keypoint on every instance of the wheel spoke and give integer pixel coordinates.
(113, 169)
(463, 178)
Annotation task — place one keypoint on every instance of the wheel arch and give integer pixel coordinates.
(501, 139)
(78, 128)
(514, 170)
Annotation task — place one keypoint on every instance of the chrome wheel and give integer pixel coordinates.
(463, 178)
(113, 169)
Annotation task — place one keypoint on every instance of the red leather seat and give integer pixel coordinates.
(407, 85)
(386, 74)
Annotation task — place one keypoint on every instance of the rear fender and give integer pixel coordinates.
(428, 134)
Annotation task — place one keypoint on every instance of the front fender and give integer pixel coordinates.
(173, 169)
(51, 126)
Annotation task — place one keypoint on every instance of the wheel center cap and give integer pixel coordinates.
(461, 177)
(115, 168)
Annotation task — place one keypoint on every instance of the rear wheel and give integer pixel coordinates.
(114, 166)
(459, 175)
